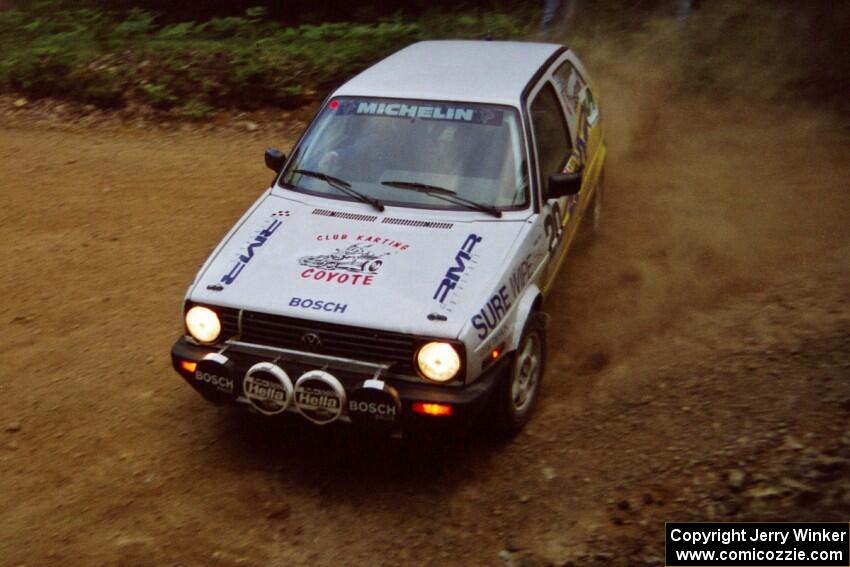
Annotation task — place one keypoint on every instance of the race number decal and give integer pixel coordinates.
(554, 226)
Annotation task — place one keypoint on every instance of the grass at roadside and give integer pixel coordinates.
(192, 68)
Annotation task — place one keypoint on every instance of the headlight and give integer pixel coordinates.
(439, 362)
(203, 324)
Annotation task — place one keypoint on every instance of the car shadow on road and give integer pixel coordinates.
(343, 460)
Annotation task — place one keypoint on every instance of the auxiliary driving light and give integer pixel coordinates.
(203, 324)
(438, 362)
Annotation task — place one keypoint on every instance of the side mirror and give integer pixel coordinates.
(563, 184)
(275, 159)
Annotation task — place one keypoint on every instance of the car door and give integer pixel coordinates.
(584, 120)
(553, 148)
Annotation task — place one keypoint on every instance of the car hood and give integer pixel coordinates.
(403, 270)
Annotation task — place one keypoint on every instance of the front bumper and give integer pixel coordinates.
(467, 401)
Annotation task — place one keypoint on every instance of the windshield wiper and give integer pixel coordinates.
(342, 185)
(445, 194)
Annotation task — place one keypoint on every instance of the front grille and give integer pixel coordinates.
(229, 321)
(337, 340)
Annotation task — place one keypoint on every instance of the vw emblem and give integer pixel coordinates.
(311, 341)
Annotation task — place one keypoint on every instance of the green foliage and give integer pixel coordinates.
(196, 109)
(137, 24)
(237, 61)
(159, 96)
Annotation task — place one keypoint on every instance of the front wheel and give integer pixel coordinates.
(518, 389)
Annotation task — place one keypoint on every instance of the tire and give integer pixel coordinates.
(518, 389)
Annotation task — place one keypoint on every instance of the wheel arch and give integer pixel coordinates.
(530, 302)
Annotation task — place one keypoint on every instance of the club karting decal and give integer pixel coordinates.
(262, 237)
(489, 316)
(472, 115)
(356, 264)
(464, 264)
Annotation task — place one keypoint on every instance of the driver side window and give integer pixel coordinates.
(550, 133)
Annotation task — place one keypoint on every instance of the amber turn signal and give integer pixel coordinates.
(435, 410)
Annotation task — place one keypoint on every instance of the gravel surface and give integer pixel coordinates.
(700, 363)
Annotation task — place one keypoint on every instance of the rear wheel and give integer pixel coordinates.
(518, 389)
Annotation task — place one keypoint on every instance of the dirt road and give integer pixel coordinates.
(700, 369)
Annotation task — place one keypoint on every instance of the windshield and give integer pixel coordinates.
(472, 150)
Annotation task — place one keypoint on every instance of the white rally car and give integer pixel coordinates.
(394, 273)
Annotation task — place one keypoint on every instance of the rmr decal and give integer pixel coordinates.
(243, 260)
(454, 273)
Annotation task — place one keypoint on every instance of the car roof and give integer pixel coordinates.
(493, 72)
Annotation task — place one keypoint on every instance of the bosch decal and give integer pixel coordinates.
(374, 402)
(454, 273)
(221, 383)
(213, 377)
(243, 260)
(318, 305)
(383, 410)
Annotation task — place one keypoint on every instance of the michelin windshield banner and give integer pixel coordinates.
(473, 114)
(759, 544)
